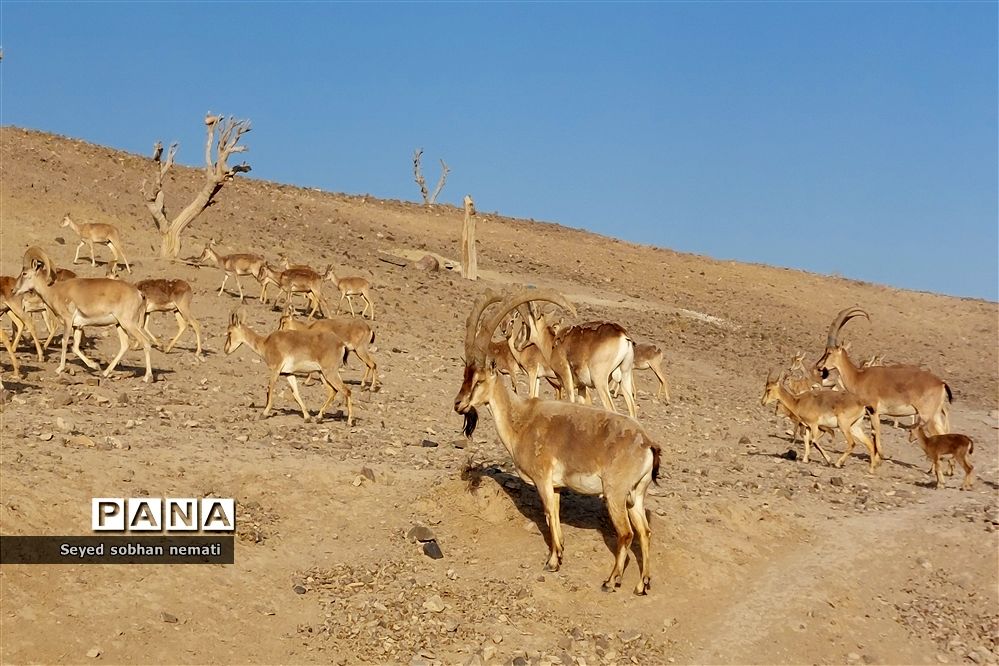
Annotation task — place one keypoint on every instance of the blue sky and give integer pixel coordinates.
(850, 138)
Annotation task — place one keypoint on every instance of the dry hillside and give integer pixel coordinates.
(756, 558)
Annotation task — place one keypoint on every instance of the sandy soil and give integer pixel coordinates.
(756, 558)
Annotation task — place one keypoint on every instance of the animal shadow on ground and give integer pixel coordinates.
(580, 511)
(333, 414)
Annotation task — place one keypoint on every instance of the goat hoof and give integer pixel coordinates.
(607, 588)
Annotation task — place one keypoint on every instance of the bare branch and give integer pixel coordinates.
(440, 184)
(157, 150)
(417, 155)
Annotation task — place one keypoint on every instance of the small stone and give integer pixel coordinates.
(45, 436)
(358, 480)
(64, 425)
(368, 473)
(925, 563)
(191, 424)
(942, 658)
(745, 440)
(434, 604)
(420, 533)
(93, 653)
(790, 454)
(428, 444)
(853, 657)
(432, 550)
(836, 481)
(975, 657)
(519, 661)
(168, 618)
(488, 653)
(497, 638)
(298, 589)
(81, 441)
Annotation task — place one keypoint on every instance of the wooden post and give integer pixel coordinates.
(469, 265)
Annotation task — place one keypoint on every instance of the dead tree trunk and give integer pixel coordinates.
(469, 264)
(428, 198)
(417, 154)
(217, 173)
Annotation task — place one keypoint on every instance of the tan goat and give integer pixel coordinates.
(290, 353)
(234, 265)
(953, 444)
(349, 287)
(80, 302)
(102, 234)
(170, 296)
(557, 445)
(823, 410)
(356, 335)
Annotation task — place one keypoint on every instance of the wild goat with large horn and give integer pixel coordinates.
(892, 390)
(556, 445)
(80, 302)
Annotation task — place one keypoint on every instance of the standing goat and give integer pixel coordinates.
(892, 390)
(822, 410)
(80, 302)
(586, 356)
(295, 352)
(102, 234)
(232, 264)
(357, 336)
(556, 445)
(350, 287)
(170, 296)
(936, 446)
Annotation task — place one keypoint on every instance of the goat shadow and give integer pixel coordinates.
(580, 511)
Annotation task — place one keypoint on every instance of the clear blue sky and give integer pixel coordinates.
(856, 138)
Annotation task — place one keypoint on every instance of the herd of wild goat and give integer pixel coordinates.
(555, 444)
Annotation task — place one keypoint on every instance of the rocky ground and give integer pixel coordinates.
(397, 540)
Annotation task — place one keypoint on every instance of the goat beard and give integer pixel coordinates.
(471, 420)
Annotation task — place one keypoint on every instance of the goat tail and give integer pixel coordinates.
(971, 446)
(950, 396)
(656, 456)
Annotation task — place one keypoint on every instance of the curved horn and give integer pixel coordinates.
(472, 322)
(516, 299)
(35, 253)
(843, 317)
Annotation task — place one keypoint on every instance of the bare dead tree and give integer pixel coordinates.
(417, 155)
(428, 198)
(469, 264)
(217, 173)
(440, 183)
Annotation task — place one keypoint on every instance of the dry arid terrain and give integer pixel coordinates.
(756, 558)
